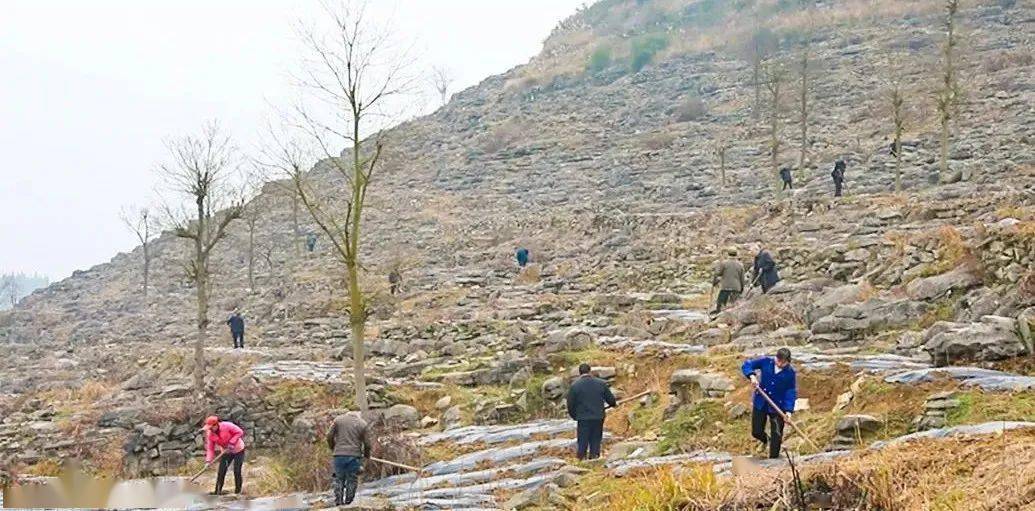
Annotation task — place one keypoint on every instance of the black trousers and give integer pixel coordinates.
(238, 339)
(786, 185)
(837, 188)
(775, 437)
(590, 434)
(726, 297)
(224, 464)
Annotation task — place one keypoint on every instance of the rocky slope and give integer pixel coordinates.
(907, 312)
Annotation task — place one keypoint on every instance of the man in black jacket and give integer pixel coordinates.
(236, 323)
(586, 400)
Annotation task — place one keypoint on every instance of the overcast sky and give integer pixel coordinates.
(89, 91)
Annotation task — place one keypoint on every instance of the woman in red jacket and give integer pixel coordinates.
(229, 439)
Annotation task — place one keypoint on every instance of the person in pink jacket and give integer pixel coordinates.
(228, 438)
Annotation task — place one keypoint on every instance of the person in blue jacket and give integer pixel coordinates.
(522, 257)
(236, 323)
(777, 379)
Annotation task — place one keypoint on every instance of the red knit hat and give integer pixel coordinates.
(212, 420)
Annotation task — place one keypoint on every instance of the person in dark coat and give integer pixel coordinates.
(310, 241)
(236, 323)
(764, 271)
(586, 400)
(785, 176)
(777, 379)
(394, 281)
(522, 257)
(838, 175)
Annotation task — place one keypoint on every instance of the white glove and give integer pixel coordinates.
(754, 380)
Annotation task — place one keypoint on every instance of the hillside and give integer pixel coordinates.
(600, 156)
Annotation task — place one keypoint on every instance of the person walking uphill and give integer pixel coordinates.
(764, 271)
(586, 400)
(228, 438)
(522, 257)
(236, 323)
(729, 276)
(785, 176)
(779, 382)
(838, 175)
(349, 443)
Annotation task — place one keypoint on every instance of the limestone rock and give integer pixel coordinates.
(404, 416)
(993, 338)
(934, 287)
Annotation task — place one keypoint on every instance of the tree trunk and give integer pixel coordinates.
(147, 270)
(251, 254)
(756, 71)
(295, 237)
(774, 126)
(804, 116)
(944, 174)
(722, 166)
(357, 322)
(201, 285)
(357, 313)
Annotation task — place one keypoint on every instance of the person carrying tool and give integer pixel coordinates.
(228, 438)
(729, 276)
(764, 270)
(349, 443)
(586, 400)
(779, 381)
(236, 323)
(838, 175)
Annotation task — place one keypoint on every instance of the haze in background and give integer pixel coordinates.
(90, 91)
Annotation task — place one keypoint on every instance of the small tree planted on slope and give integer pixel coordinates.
(201, 173)
(354, 70)
(141, 222)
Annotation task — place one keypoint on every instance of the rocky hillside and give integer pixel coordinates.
(910, 313)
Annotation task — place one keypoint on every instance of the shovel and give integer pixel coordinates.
(397, 465)
(786, 418)
(203, 469)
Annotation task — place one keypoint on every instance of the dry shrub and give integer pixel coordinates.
(304, 467)
(391, 443)
(1008, 60)
(772, 314)
(692, 109)
(503, 136)
(657, 140)
(978, 473)
(529, 275)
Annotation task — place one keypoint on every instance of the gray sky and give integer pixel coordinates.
(90, 90)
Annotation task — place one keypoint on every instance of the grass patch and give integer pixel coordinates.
(688, 427)
(977, 407)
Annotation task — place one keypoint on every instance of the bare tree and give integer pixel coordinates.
(757, 49)
(896, 101)
(9, 289)
(774, 77)
(803, 107)
(949, 92)
(441, 79)
(721, 146)
(355, 72)
(200, 172)
(141, 222)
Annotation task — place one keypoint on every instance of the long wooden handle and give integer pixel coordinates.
(630, 398)
(203, 469)
(786, 418)
(394, 464)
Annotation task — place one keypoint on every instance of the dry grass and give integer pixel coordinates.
(980, 473)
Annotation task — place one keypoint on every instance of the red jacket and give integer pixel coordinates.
(229, 437)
